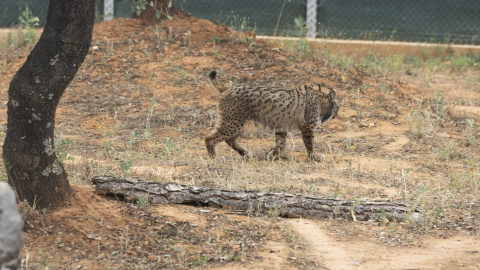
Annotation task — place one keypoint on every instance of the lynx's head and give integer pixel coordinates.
(328, 105)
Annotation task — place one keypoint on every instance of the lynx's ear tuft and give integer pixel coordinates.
(212, 75)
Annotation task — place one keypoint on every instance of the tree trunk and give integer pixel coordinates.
(286, 205)
(34, 92)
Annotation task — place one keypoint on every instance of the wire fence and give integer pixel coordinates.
(447, 21)
(265, 17)
(12, 10)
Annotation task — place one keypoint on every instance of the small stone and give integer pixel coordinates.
(11, 235)
(131, 253)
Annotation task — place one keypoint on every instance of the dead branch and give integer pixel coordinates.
(287, 205)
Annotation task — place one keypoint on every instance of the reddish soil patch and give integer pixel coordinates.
(93, 232)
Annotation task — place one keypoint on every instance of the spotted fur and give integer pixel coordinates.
(277, 108)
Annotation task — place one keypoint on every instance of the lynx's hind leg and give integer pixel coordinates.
(211, 140)
(226, 133)
(232, 142)
(279, 148)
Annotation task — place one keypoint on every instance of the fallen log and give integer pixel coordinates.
(287, 205)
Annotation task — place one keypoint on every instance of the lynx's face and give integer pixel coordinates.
(329, 107)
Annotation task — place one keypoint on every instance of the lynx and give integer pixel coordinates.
(277, 108)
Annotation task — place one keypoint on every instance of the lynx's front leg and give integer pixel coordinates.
(308, 140)
(280, 143)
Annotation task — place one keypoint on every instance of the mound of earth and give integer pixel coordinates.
(182, 27)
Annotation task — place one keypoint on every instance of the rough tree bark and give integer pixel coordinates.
(34, 92)
(287, 205)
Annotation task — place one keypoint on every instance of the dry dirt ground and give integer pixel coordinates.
(140, 107)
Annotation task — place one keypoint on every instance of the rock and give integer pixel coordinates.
(11, 235)
(363, 124)
(131, 253)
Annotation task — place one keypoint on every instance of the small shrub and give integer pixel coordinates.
(416, 124)
(61, 148)
(470, 134)
(445, 151)
(440, 109)
(216, 39)
(125, 166)
(143, 201)
(27, 22)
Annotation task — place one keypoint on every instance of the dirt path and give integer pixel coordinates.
(455, 252)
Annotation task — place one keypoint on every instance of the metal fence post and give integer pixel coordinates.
(311, 18)
(108, 9)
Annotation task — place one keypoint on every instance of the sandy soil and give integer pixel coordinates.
(140, 106)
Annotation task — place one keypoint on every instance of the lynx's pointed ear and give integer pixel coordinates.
(319, 87)
(331, 95)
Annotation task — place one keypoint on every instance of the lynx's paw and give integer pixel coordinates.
(248, 156)
(271, 156)
(315, 157)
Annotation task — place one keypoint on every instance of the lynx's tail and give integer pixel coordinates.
(215, 83)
